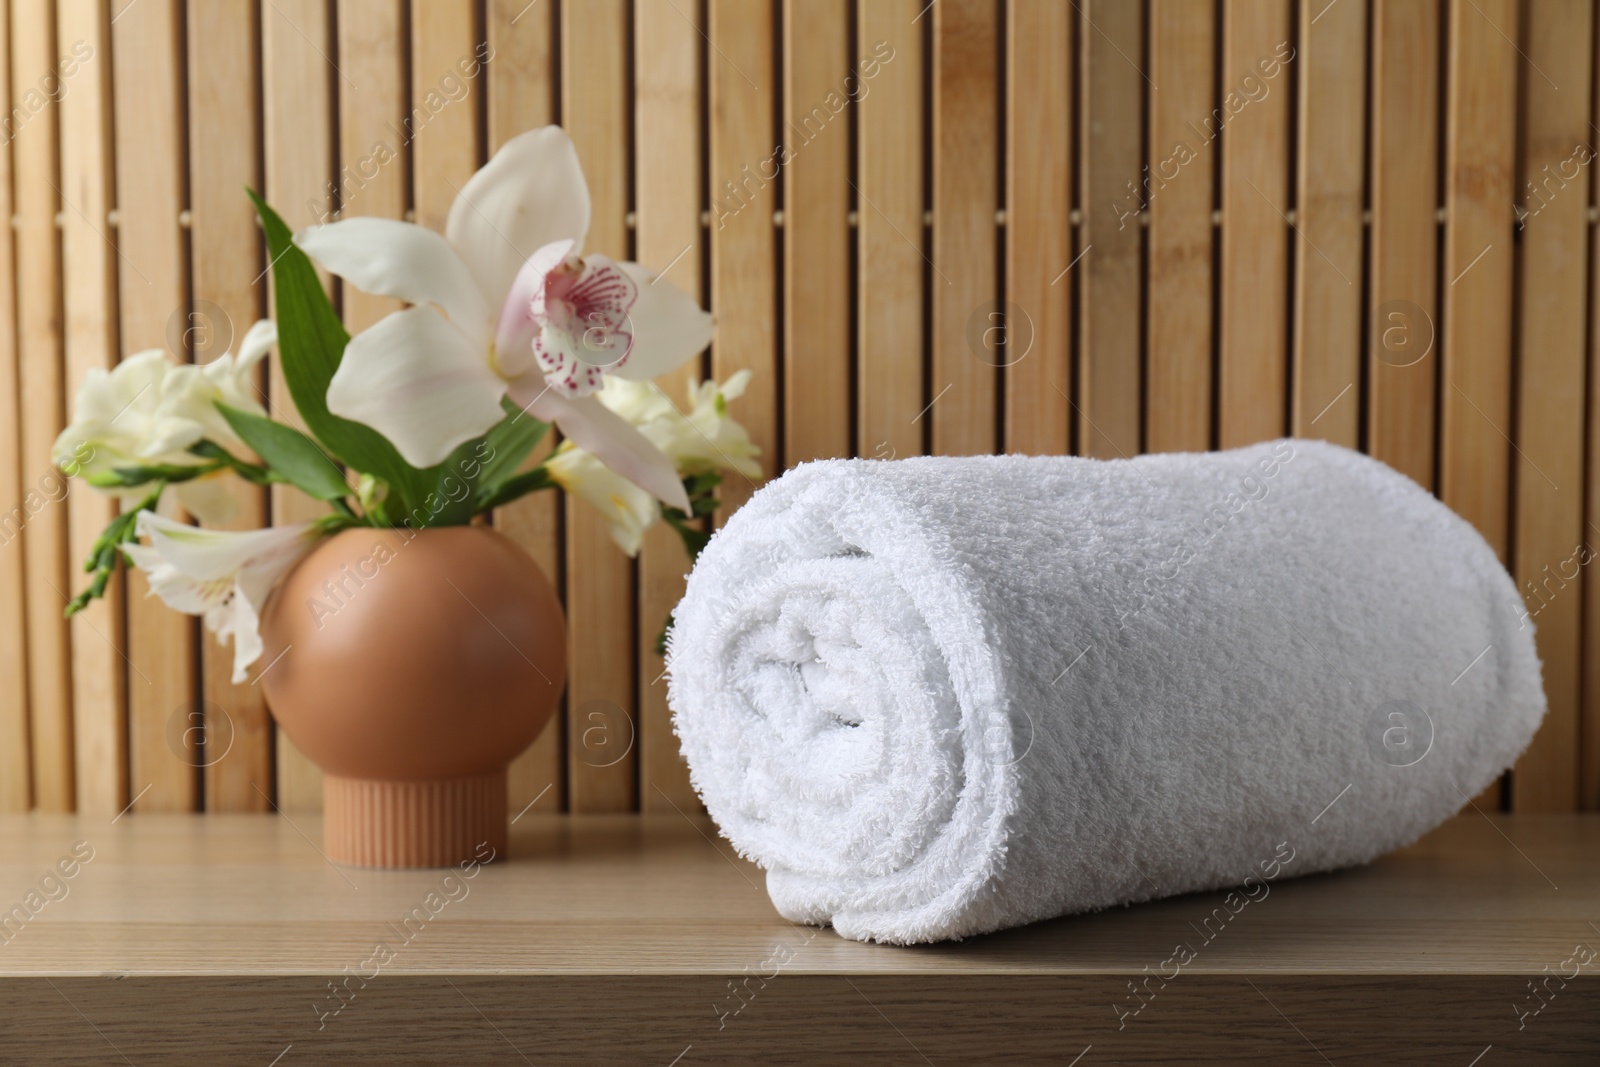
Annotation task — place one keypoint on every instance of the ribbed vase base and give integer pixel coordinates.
(436, 822)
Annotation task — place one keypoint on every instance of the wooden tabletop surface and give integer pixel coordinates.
(603, 895)
(644, 940)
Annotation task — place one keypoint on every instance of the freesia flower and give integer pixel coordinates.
(628, 510)
(223, 577)
(704, 440)
(149, 410)
(504, 304)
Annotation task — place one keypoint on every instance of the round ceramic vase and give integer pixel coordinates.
(412, 668)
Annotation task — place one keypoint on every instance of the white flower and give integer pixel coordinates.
(149, 410)
(706, 439)
(628, 510)
(223, 577)
(503, 304)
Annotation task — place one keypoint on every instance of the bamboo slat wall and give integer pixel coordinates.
(952, 227)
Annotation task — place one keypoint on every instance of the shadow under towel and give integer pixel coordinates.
(942, 696)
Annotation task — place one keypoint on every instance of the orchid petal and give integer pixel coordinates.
(513, 339)
(586, 326)
(529, 195)
(668, 327)
(421, 382)
(591, 425)
(401, 260)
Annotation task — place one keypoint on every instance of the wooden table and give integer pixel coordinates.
(643, 940)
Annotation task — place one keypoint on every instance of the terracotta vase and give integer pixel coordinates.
(412, 668)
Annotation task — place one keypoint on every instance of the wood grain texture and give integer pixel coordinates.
(1332, 71)
(1475, 397)
(227, 295)
(248, 895)
(603, 726)
(376, 126)
(1178, 189)
(969, 323)
(1589, 727)
(668, 183)
(162, 644)
(740, 86)
(1548, 532)
(442, 122)
(1253, 113)
(821, 83)
(1111, 87)
(1479, 253)
(1402, 312)
(42, 408)
(16, 772)
(89, 304)
(652, 920)
(800, 1018)
(520, 95)
(297, 75)
(1038, 323)
(890, 243)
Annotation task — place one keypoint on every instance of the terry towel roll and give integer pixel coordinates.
(938, 697)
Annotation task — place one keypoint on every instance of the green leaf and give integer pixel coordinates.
(694, 539)
(456, 482)
(311, 342)
(510, 441)
(289, 454)
(517, 485)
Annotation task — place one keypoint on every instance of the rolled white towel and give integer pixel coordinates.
(938, 697)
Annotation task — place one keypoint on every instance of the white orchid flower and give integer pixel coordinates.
(223, 577)
(628, 510)
(503, 304)
(149, 410)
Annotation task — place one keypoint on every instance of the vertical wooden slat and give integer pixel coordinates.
(99, 673)
(1475, 397)
(227, 290)
(889, 232)
(1401, 322)
(1332, 64)
(16, 785)
(667, 154)
(1551, 323)
(374, 130)
(818, 79)
(1475, 402)
(444, 142)
(297, 75)
(1038, 326)
(1178, 193)
(154, 287)
(1254, 110)
(967, 318)
(1110, 85)
(44, 538)
(602, 726)
(740, 89)
(1589, 711)
(521, 85)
